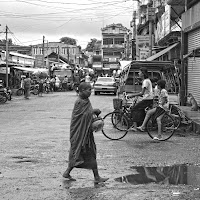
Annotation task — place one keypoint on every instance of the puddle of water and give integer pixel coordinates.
(175, 175)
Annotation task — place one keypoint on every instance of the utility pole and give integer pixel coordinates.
(6, 56)
(133, 25)
(58, 56)
(43, 52)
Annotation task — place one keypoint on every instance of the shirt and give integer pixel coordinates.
(148, 93)
(163, 96)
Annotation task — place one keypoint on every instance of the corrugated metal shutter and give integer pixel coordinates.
(194, 65)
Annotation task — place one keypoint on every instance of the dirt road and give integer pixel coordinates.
(34, 148)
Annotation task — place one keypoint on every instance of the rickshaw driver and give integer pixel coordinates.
(146, 93)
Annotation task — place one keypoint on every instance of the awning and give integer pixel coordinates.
(164, 51)
(29, 69)
(124, 64)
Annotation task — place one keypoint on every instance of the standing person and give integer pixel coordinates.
(57, 83)
(41, 87)
(146, 93)
(52, 84)
(163, 105)
(27, 86)
(87, 78)
(83, 148)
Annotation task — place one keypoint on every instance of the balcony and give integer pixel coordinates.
(112, 46)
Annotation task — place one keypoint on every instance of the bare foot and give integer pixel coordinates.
(100, 180)
(68, 177)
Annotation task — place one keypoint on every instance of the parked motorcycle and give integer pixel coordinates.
(3, 99)
(34, 89)
(6, 92)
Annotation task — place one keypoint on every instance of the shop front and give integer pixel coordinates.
(191, 35)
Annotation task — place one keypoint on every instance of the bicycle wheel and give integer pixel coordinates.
(115, 126)
(167, 127)
(176, 116)
(20, 92)
(120, 121)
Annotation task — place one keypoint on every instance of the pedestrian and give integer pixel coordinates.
(52, 84)
(82, 152)
(87, 78)
(27, 86)
(41, 87)
(163, 105)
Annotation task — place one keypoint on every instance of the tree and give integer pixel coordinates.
(91, 44)
(68, 40)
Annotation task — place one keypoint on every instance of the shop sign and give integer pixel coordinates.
(114, 66)
(3, 70)
(144, 54)
(142, 46)
(112, 59)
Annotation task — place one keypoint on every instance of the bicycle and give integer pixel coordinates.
(178, 115)
(120, 121)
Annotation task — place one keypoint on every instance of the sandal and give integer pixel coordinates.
(157, 138)
(140, 129)
(69, 178)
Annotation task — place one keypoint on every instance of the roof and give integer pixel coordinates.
(157, 55)
(20, 55)
(161, 65)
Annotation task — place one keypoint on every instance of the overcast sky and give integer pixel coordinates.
(29, 20)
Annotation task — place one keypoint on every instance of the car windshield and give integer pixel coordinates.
(105, 79)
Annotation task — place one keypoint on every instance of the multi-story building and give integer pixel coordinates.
(114, 38)
(159, 32)
(172, 29)
(71, 52)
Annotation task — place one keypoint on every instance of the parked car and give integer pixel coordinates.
(105, 84)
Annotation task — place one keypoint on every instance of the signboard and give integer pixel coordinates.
(142, 46)
(112, 59)
(144, 54)
(114, 66)
(163, 25)
(150, 13)
(39, 61)
(3, 70)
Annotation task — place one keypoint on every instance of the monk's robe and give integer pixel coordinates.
(83, 148)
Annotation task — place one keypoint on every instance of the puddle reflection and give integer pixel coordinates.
(176, 174)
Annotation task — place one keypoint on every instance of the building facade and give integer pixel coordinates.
(114, 38)
(191, 49)
(71, 52)
(158, 31)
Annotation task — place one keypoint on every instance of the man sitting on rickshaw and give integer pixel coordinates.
(147, 97)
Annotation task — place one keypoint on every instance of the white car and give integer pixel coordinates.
(106, 85)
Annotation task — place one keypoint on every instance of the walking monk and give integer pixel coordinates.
(83, 148)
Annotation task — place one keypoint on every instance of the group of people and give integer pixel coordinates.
(49, 84)
(148, 94)
(82, 152)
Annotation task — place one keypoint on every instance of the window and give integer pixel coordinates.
(41, 50)
(35, 51)
(64, 50)
(119, 40)
(107, 53)
(107, 41)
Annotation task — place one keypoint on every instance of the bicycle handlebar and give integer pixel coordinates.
(134, 99)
